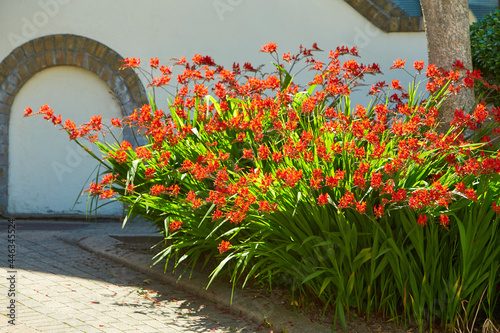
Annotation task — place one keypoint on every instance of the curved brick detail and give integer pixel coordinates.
(387, 16)
(61, 50)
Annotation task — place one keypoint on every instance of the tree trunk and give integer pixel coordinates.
(446, 25)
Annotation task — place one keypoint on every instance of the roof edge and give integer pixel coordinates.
(387, 16)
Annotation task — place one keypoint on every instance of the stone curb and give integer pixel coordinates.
(258, 309)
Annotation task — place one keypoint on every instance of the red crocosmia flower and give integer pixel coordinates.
(480, 113)
(131, 62)
(154, 62)
(395, 85)
(265, 207)
(217, 198)
(347, 200)
(69, 125)
(269, 48)
(125, 145)
(376, 181)
(190, 196)
(130, 188)
(160, 81)
(378, 211)
(291, 176)
(323, 199)
(96, 123)
(28, 112)
(119, 156)
(361, 207)
(445, 220)
(263, 152)
(240, 137)
(359, 179)
(108, 179)
(165, 70)
(248, 154)
(315, 182)
(149, 173)
(143, 153)
(400, 195)
(418, 65)
(157, 189)
(107, 194)
(359, 152)
(422, 220)
(94, 189)
(458, 65)
(333, 181)
(218, 214)
(460, 187)
(174, 190)
(224, 246)
(496, 207)
(116, 122)
(57, 120)
(432, 71)
(398, 63)
(286, 57)
(470, 193)
(175, 225)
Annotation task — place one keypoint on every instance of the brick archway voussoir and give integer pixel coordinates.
(61, 50)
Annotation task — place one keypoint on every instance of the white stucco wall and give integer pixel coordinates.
(46, 170)
(228, 30)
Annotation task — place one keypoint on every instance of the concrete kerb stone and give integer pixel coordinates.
(265, 311)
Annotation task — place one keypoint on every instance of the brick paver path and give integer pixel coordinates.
(63, 288)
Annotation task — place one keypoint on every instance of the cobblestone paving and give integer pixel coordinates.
(63, 288)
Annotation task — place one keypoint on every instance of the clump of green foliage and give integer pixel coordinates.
(485, 47)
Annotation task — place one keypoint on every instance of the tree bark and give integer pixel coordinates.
(446, 25)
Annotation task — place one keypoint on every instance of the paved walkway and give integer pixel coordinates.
(62, 288)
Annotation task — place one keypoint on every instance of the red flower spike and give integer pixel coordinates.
(263, 152)
(130, 63)
(398, 63)
(94, 189)
(418, 65)
(157, 189)
(108, 179)
(376, 181)
(107, 194)
(378, 211)
(323, 199)
(361, 207)
(458, 65)
(347, 200)
(496, 207)
(444, 220)
(149, 173)
(470, 193)
(28, 112)
(460, 187)
(287, 58)
(268, 48)
(175, 225)
(248, 154)
(116, 122)
(422, 220)
(224, 246)
(154, 63)
(395, 85)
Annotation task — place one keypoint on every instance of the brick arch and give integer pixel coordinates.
(60, 50)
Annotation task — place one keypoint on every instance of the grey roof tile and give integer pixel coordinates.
(480, 8)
